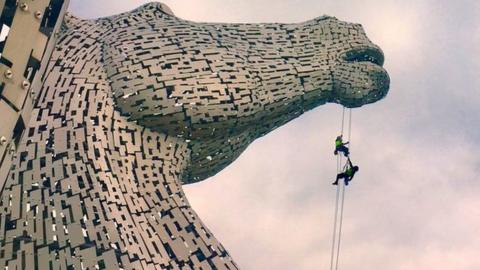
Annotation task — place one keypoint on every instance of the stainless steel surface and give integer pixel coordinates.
(135, 105)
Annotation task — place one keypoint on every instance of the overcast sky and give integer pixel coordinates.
(415, 203)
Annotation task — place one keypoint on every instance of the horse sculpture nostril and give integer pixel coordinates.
(364, 54)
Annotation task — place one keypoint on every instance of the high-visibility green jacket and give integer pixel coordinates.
(349, 171)
(338, 142)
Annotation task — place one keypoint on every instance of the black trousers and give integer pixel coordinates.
(345, 177)
(343, 149)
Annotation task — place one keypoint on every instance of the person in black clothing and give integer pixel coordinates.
(348, 174)
(340, 146)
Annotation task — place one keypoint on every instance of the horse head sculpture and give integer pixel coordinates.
(137, 104)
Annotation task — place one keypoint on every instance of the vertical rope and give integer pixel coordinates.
(335, 218)
(340, 225)
(342, 195)
(337, 197)
(350, 129)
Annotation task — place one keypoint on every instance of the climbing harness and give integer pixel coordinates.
(339, 200)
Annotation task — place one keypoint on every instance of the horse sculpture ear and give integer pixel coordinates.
(70, 21)
(155, 6)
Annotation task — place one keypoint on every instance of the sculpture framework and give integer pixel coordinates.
(135, 105)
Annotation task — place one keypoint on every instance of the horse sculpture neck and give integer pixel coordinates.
(90, 189)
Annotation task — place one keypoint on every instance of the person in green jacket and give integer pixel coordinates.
(348, 173)
(340, 146)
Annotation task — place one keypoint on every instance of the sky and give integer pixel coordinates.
(415, 202)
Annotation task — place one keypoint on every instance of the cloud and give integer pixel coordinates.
(402, 201)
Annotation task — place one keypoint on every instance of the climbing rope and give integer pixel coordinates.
(337, 197)
(340, 226)
(335, 218)
(340, 198)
